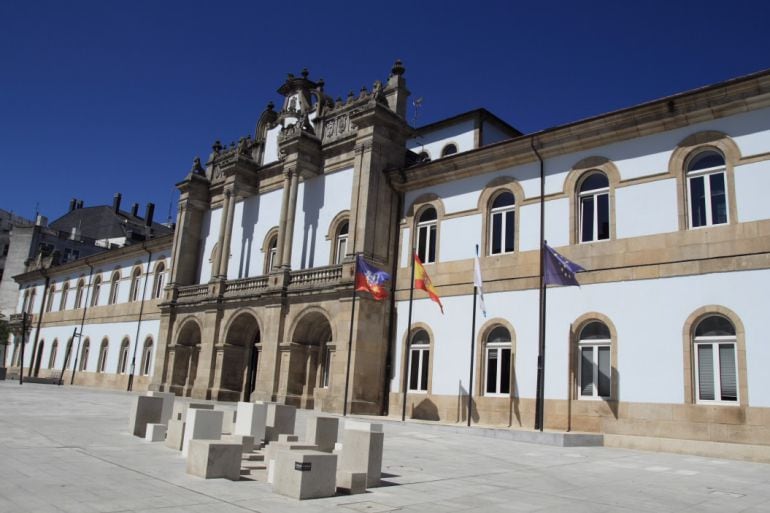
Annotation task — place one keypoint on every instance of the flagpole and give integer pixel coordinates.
(473, 343)
(408, 339)
(540, 393)
(350, 344)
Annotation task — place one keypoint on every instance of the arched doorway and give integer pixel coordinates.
(240, 359)
(309, 362)
(183, 357)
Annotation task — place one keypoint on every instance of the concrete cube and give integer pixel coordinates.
(272, 450)
(214, 459)
(322, 431)
(246, 441)
(155, 433)
(168, 404)
(351, 483)
(144, 410)
(280, 419)
(282, 439)
(228, 419)
(250, 420)
(175, 434)
(180, 409)
(362, 451)
(305, 474)
(201, 425)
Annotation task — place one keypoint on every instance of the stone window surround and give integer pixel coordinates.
(446, 146)
(104, 351)
(114, 287)
(125, 346)
(487, 196)
(420, 204)
(65, 288)
(331, 236)
(574, 356)
(479, 381)
(147, 356)
(575, 177)
(52, 355)
(405, 354)
(136, 279)
(271, 234)
(49, 300)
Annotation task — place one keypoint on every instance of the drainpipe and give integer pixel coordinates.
(39, 321)
(82, 321)
(139, 322)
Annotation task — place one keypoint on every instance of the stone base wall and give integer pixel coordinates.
(99, 379)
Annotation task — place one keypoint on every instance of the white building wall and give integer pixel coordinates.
(454, 247)
(490, 134)
(253, 218)
(646, 209)
(209, 236)
(749, 179)
(270, 154)
(461, 134)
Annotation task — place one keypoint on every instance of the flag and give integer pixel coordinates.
(370, 279)
(558, 270)
(422, 281)
(477, 282)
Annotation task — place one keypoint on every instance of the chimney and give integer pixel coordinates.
(148, 215)
(80, 204)
(74, 233)
(116, 202)
(41, 220)
(135, 209)
(73, 202)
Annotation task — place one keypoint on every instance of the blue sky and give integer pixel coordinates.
(104, 97)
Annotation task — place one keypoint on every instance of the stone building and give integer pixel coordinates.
(659, 202)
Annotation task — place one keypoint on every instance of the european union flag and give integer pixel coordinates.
(559, 270)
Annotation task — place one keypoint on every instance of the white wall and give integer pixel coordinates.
(209, 236)
(646, 209)
(490, 134)
(253, 218)
(649, 317)
(750, 179)
(270, 153)
(461, 134)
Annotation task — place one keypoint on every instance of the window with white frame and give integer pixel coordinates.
(426, 235)
(157, 286)
(96, 290)
(136, 276)
(49, 301)
(65, 289)
(102, 363)
(84, 355)
(595, 363)
(594, 197)
(341, 243)
(114, 286)
(497, 371)
(707, 189)
(502, 223)
(272, 253)
(79, 294)
(449, 149)
(419, 361)
(52, 357)
(714, 351)
(123, 359)
(147, 358)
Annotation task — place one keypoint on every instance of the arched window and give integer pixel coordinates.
(147, 356)
(52, 357)
(67, 354)
(594, 200)
(326, 366)
(79, 293)
(341, 242)
(157, 285)
(423, 156)
(419, 361)
(449, 149)
(271, 252)
(25, 301)
(96, 290)
(502, 223)
(65, 288)
(426, 235)
(114, 286)
(595, 362)
(84, 354)
(707, 189)
(714, 351)
(49, 300)
(136, 276)
(497, 370)
(123, 358)
(103, 351)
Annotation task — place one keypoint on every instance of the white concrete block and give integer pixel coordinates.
(322, 431)
(175, 434)
(357, 425)
(305, 474)
(280, 420)
(214, 459)
(181, 407)
(351, 483)
(168, 404)
(144, 410)
(228, 419)
(155, 433)
(201, 425)
(250, 420)
(272, 450)
(362, 452)
(246, 441)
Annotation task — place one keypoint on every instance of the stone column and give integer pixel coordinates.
(282, 223)
(175, 253)
(216, 264)
(224, 252)
(288, 228)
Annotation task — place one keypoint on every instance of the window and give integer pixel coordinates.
(157, 286)
(707, 189)
(102, 363)
(64, 292)
(147, 356)
(497, 377)
(426, 235)
(326, 367)
(79, 294)
(136, 276)
(423, 156)
(449, 149)
(419, 361)
(716, 376)
(123, 359)
(67, 353)
(271, 253)
(31, 302)
(52, 358)
(502, 223)
(84, 354)
(114, 286)
(595, 363)
(594, 196)
(341, 243)
(49, 300)
(95, 291)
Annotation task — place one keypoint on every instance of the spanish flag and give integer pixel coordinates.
(422, 281)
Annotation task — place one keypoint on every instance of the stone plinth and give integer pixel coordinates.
(351, 483)
(228, 418)
(144, 410)
(250, 420)
(155, 432)
(305, 474)
(279, 420)
(168, 404)
(180, 409)
(212, 459)
(201, 425)
(246, 441)
(175, 434)
(287, 443)
(322, 431)
(362, 445)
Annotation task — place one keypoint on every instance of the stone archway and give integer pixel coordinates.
(183, 358)
(240, 359)
(311, 336)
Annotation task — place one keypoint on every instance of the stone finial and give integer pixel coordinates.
(197, 168)
(398, 68)
(350, 96)
(305, 73)
(363, 92)
(217, 146)
(338, 102)
(321, 83)
(270, 106)
(290, 76)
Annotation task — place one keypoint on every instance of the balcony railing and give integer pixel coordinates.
(316, 277)
(245, 286)
(192, 292)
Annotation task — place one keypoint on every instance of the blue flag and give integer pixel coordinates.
(558, 270)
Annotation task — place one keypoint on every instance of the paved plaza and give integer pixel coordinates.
(68, 449)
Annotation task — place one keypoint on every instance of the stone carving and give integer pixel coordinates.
(338, 127)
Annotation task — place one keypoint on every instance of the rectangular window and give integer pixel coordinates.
(342, 248)
(717, 373)
(497, 233)
(587, 219)
(705, 372)
(603, 216)
(697, 201)
(327, 365)
(604, 370)
(418, 369)
(498, 369)
(586, 371)
(718, 198)
(510, 223)
(426, 243)
(595, 371)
